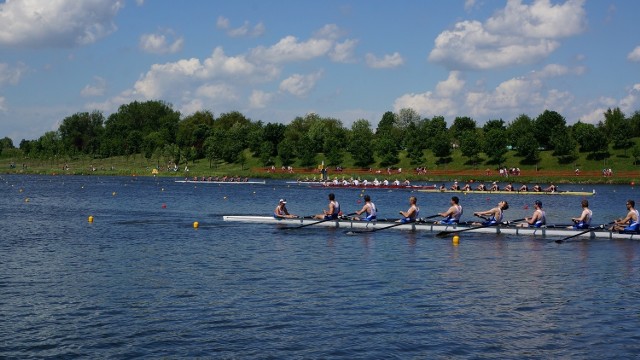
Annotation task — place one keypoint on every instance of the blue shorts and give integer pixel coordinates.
(407, 220)
(370, 218)
(631, 228)
(449, 222)
(581, 226)
(488, 223)
(330, 217)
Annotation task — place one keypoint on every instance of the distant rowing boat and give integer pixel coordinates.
(430, 227)
(369, 186)
(503, 192)
(220, 182)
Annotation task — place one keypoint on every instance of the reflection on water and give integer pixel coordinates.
(140, 281)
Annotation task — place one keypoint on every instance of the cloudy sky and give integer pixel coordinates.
(352, 59)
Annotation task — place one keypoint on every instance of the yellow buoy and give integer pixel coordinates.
(456, 240)
(196, 224)
(90, 219)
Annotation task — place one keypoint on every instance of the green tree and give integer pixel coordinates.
(461, 126)
(495, 145)
(471, 145)
(286, 152)
(527, 147)
(81, 132)
(546, 124)
(306, 153)
(414, 144)
(360, 143)
(517, 129)
(442, 147)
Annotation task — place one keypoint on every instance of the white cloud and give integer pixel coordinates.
(300, 85)
(3, 106)
(11, 74)
(517, 34)
(159, 44)
(343, 52)
(260, 99)
(216, 92)
(451, 86)
(635, 54)
(139, 2)
(469, 4)
(290, 49)
(244, 30)
(388, 61)
(97, 89)
(61, 23)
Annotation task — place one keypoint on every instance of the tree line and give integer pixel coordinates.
(157, 131)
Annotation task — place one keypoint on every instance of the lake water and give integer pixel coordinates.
(140, 281)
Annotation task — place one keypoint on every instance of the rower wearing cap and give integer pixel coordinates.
(281, 211)
(369, 208)
(538, 218)
(494, 187)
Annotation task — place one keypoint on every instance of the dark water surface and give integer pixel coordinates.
(140, 281)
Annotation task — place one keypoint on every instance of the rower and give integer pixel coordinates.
(537, 188)
(552, 188)
(453, 214)
(524, 188)
(495, 214)
(509, 187)
(412, 214)
(538, 218)
(584, 220)
(281, 211)
(369, 208)
(333, 212)
(630, 222)
(466, 187)
(495, 187)
(455, 186)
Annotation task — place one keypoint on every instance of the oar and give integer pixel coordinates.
(378, 229)
(560, 241)
(445, 233)
(314, 223)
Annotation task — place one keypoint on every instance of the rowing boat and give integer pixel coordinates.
(348, 224)
(220, 182)
(369, 186)
(502, 192)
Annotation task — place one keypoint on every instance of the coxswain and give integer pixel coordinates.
(453, 214)
(369, 208)
(495, 215)
(584, 220)
(281, 211)
(630, 222)
(538, 218)
(412, 213)
(332, 212)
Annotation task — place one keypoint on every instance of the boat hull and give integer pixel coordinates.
(221, 182)
(429, 227)
(502, 192)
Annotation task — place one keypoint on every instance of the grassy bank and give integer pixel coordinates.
(546, 170)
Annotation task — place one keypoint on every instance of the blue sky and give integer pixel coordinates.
(275, 60)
